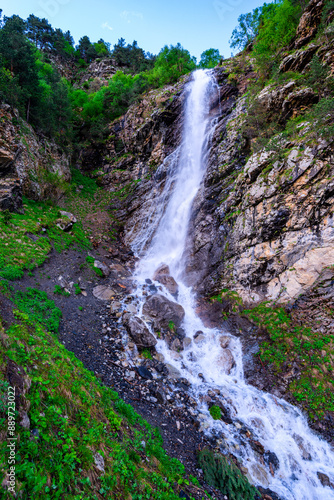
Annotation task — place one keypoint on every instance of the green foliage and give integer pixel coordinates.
(172, 62)
(278, 26)
(6, 216)
(210, 59)
(19, 251)
(221, 473)
(40, 309)
(247, 30)
(60, 291)
(215, 412)
(323, 114)
(77, 289)
(317, 77)
(290, 345)
(77, 417)
(146, 354)
(29, 83)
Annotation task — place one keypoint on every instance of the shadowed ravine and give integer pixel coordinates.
(212, 359)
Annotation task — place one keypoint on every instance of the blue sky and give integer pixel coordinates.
(196, 24)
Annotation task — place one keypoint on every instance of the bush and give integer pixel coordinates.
(221, 473)
(215, 412)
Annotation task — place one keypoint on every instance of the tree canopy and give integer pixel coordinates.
(210, 59)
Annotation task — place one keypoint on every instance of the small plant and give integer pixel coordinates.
(171, 326)
(215, 412)
(146, 354)
(6, 217)
(77, 289)
(61, 291)
(80, 308)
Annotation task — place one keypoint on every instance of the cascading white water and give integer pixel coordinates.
(281, 428)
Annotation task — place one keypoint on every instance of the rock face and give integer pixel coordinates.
(29, 165)
(140, 333)
(262, 224)
(163, 311)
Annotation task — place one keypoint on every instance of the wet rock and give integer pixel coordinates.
(186, 342)
(271, 459)
(176, 346)
(145, 373)
(163, 311)
(257, 446)
(162, 275)
(103, 292)
(324, 479)
(162, 270)
(172, 371)
(199, 339)
(301, 445)
(226, 361)
(224, 341)
(259, 475)
(103, 268)
(139, 332)
(199, 332)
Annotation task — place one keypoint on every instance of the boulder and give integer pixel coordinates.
(139, 332)
(163, 270)
(103, 292)
(103, 267)
(226, 361)
(163, 311)
(162, 275)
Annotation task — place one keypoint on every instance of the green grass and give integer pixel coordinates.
(75, 417)
(60, 291)
(291, 344)
(26, 240)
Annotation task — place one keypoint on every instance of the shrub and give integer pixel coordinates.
(221, 473)
(215, 412)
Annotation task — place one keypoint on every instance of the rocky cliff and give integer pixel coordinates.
(29, 165)
(263, 220)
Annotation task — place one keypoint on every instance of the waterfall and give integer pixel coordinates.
(281, 428)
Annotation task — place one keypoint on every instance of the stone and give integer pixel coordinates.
(11, 195)
(224, 341)
(186, 342)
(176, 345)
(259, 475)
(99, 462)
(172, 371)
(139, 332)
(145, 373)
(103, 292)
(324, 479)
(199, 339)
(163, 270)
(69, 216)
(163, 311)
(103, 267)
(162, 275)
(25, 421)
(226, 361)
(272, 460)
